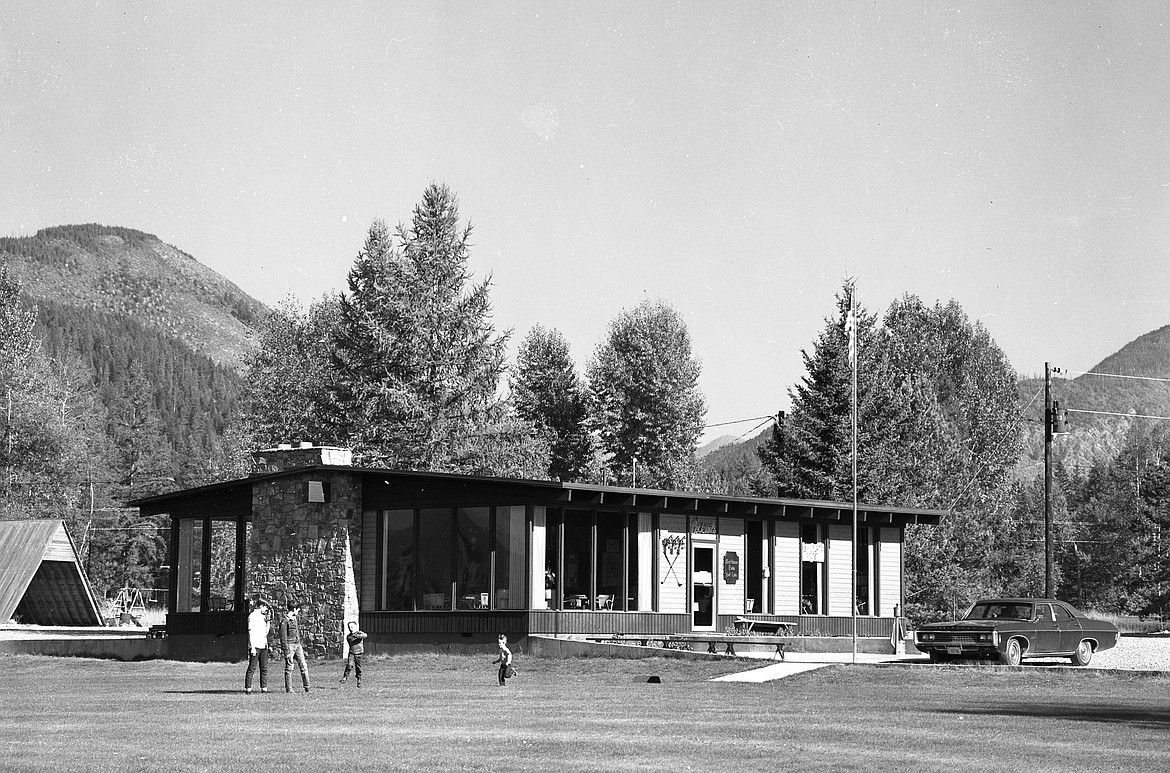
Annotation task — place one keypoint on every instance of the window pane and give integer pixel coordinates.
(222, 582)
(398, 559)
(435, 570)
(190, 565)
(578, 529)
(472, 557)
(552, 563)
(631, 563)
(610, 588)
(510, 558)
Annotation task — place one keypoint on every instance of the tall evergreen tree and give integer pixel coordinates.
(417, 359)
(548, 393)
(646, 402)
(938, 426)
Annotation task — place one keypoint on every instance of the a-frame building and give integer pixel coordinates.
(41, 578)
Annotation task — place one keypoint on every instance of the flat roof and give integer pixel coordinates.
(557, 493)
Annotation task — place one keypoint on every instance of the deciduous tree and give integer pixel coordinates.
(646, 402)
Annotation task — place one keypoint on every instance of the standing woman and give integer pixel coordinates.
(257, 646)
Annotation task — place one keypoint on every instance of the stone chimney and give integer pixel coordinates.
(287, 456)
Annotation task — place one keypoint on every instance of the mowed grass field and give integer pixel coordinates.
(437, 712)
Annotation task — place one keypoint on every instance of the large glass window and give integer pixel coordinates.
(511, 571)
(578, 563)
(398, 559)
(189, 594)
(435, 570)
(473, 557)
(812, 570)
(222, 579)
(553, 570)
(864, 605)
(611, 588)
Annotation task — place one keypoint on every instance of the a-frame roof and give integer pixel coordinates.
(41, 579)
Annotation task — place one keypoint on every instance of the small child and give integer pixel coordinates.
(504, 658)
(356, 648)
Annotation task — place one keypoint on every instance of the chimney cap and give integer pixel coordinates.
(305, 444)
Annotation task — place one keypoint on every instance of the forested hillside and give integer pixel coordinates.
(122, 378)
(127, 273)
(1094, 437)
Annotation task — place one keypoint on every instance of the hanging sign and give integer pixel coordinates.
(731, 567)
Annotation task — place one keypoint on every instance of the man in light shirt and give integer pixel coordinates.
(257, 646)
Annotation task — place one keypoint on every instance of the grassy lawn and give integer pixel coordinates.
(438, 712)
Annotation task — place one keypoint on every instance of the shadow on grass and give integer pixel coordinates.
(1137, 717)
(205, 692)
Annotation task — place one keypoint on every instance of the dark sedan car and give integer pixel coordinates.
(1013, 629)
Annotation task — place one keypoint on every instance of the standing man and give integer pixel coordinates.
(290, 642)
(257, 646)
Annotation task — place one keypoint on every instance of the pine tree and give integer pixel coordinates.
(548, 393)
(417, 359)
(646, 402)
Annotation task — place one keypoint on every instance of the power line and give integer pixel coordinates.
(740, 421)
(1118, 375)
(1111, 413)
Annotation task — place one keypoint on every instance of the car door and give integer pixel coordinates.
(1069, 628)
(1047, 635)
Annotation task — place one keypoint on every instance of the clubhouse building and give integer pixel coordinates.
(425, 559)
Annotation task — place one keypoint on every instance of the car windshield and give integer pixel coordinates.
(1000, 610)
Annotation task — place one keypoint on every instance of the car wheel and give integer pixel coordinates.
(1012, 655)
(1083, 654)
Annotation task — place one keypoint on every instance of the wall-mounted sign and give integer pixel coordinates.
(731, 567)
(703, 526)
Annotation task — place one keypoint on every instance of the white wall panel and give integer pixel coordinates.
(786, 572)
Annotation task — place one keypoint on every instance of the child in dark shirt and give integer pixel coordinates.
(356, 641)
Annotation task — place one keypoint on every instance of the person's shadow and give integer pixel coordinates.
(204, 692)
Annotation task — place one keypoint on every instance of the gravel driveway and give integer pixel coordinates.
(1132, 653)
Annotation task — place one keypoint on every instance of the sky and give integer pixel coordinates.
(738, 160)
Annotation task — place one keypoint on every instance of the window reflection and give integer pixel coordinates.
(398, 559)
(435, 568)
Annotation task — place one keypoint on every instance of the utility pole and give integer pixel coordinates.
(1053, 425)
(1047, 481)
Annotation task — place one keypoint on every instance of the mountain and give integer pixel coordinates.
(1095, 436)
(714, 445)
(1091, 436)
(127, 273)
(140, 316)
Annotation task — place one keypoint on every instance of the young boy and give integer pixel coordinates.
(356, 647)
(504, 658)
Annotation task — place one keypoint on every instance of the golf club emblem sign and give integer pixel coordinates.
(673, 547)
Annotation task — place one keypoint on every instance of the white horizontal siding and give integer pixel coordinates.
(729, 597)
(889, 570)
(786, 572)
(840, 567)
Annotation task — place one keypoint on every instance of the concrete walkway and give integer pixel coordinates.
(799, 662)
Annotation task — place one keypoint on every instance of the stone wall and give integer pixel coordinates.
(300, 550)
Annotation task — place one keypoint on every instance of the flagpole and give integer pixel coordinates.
(853, 412)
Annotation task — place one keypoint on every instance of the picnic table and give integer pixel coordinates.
(710, 639)
(776, 627)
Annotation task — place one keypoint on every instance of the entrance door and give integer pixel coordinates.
(703, 588)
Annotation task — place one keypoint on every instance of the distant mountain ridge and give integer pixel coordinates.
(1095, 436)
(127, 272)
